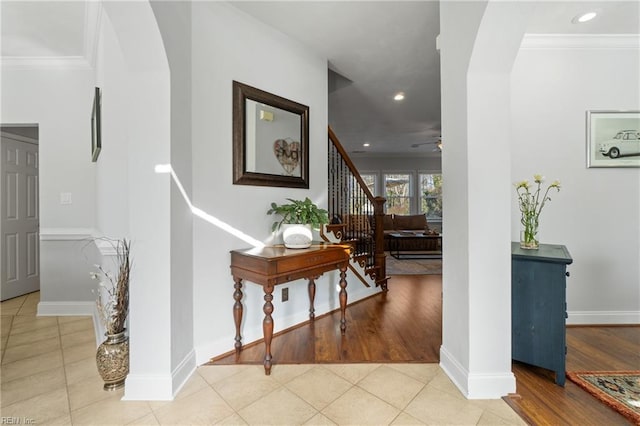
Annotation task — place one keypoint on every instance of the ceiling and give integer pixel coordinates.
(375, 49)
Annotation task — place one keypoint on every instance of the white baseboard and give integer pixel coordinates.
(62, 309)
(456, 372)
(183, 371)
(159, 387)
(148, 387)
(491, 386)
(474, 385)
(603, 317)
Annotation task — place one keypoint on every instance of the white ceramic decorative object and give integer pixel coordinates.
(296, 236)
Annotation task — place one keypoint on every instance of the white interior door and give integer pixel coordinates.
(20, 246)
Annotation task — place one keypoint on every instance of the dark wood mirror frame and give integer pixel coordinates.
(241, 176)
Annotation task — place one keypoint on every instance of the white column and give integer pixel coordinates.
(478, 44)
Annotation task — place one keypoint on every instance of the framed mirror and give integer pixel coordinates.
(270, 139)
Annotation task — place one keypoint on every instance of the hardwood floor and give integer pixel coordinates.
(405, 325)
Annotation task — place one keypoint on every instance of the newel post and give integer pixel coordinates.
(378, 211)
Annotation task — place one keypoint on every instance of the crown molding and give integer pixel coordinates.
(581, 41)
(44, 62)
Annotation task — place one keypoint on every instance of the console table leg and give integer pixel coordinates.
(237, 311)
(312, 296)
(343, 299)
(267, 327)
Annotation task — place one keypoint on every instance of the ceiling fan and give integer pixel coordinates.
(437, 144)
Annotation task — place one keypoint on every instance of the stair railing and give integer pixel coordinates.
(356, 216)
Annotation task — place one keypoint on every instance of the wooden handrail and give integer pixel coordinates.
(350, 165)
(378, 257)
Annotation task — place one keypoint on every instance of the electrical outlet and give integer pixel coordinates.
(285, 294)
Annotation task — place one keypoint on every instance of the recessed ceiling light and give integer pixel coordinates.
(584, 17)
(399, 96)
(366, 144)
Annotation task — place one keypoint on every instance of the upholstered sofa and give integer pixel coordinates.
(409, 224)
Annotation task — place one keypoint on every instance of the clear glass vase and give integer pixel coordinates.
(529, 236)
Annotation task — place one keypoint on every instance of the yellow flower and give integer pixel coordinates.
(556, 184)
(538, 178)
(523, 184)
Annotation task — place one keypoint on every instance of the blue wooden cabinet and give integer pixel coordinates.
(539, 306)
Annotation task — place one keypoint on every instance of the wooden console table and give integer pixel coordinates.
(273, 265)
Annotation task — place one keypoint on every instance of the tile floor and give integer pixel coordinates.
(48, 376)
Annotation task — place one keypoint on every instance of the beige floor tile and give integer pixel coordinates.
(33, 297)
(3, 343)
(216, 373)
(193, 385)
(421, 372)
(247, 386)
(499, 408)
(405, 419)
(443, 383)
(72, 318)
(204, 407)
(27, 387)
(80, 370)
(319, 420)
(5, 325)
(60, 421)
(8, 311)
(232, 420)
(488, 418)
(392, 386)
(280, 407)
(286, 373)
(433, 406)
(360, 407)
(29, 324)
(89, 390)
(28, 309)
(14, 303)
(353, 373)
(110, 411)
(17, 353)
(319, 387)
(29, 366)
(16, 339)
(148, 420)
(82, 351)
(77, 338)
(41, 409)
(82, 324)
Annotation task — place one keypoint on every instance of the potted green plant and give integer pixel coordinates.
(298, 219)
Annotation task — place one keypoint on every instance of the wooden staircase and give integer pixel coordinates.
(356, 215)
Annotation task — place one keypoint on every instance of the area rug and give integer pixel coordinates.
(620, 390)
(413, 266)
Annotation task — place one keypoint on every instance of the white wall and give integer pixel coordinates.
(596, 214)
(230, 45)
(58, 97)
(174, 22)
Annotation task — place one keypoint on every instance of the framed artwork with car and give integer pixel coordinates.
(613, 138)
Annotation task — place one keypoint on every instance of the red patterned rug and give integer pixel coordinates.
(620, 390)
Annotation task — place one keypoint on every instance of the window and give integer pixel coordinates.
(397, 191)
(431, 195)
(370, 180)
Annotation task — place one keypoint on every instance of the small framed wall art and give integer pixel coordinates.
(613, 138)
(96, 139)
